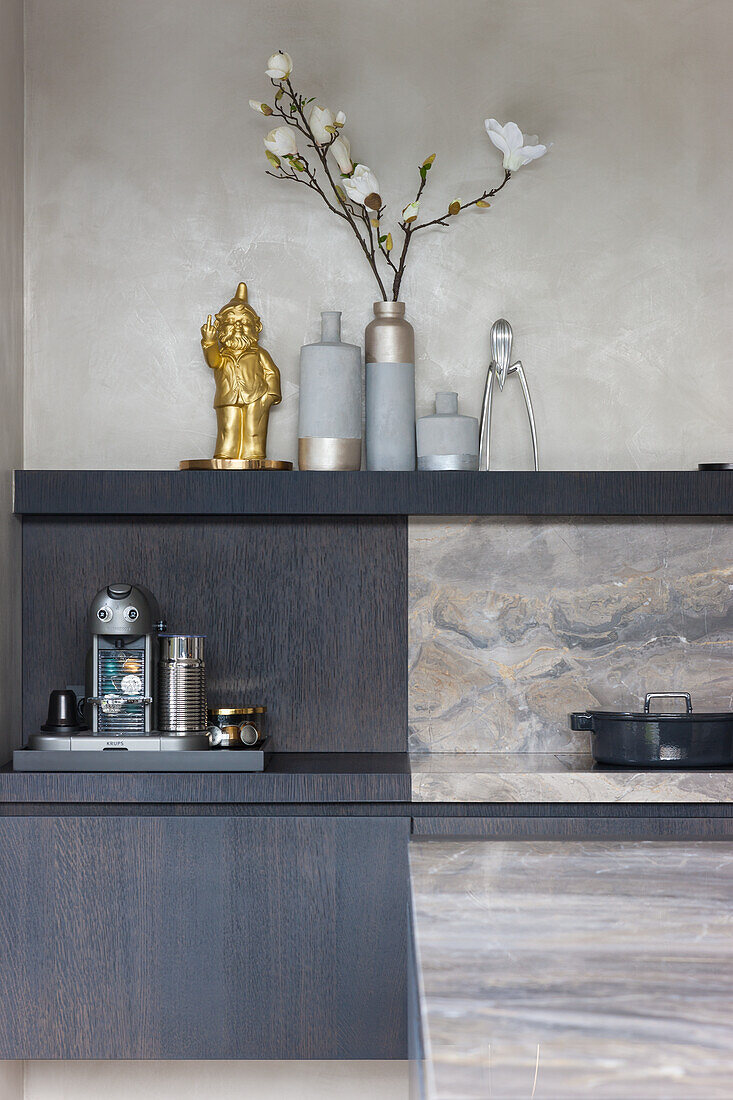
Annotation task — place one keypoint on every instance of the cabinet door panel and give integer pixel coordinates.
(195, 937)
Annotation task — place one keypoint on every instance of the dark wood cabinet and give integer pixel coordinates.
(262, 916)
(203, 937)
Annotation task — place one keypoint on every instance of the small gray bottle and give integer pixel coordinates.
(329, 424)
(447, 441)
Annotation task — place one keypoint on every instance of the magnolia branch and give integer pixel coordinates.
(465, 205)
(295, 117)
(364, 212)
(409, 228)
(322, 153)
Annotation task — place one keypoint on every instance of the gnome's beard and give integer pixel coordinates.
(238, 343)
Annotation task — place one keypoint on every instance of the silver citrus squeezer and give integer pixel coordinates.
(501, 368)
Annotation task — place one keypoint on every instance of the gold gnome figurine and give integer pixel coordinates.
(247, 386)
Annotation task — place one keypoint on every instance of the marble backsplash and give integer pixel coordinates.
(516, 622)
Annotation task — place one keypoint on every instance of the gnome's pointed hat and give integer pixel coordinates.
(240, 296)
(240, 305)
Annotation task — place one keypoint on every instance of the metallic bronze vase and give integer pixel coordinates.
(390, 389)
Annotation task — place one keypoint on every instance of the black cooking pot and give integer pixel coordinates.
(659, 740)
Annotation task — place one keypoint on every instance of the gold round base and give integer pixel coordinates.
(234, 464)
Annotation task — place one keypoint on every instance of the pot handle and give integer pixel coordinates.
(668, 695)
(581, 723)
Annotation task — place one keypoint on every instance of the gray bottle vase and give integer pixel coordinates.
(390, 389)
(446, 440)
(329, 420)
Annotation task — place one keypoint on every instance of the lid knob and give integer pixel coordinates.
(119, 591)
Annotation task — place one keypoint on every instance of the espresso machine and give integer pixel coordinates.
(124, 622)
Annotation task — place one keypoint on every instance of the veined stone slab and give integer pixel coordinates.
(574, 969)
(516, 622)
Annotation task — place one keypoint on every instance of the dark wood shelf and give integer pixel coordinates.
(220, 493)
(307, 777)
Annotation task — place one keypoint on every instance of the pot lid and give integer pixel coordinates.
(649, 715)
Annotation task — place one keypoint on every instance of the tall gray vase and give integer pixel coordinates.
(329, 422)
(390, 389)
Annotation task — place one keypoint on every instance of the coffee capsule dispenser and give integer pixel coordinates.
(121, 677)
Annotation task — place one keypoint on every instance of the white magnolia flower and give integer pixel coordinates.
(341, 150)
(340, 118)
(263, 108)
(363, 185)
(320, 118)
(279, 66)
(409, 214)
(281, 142)
(510, 140)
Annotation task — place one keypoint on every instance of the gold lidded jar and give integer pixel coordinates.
(390, 389)
(237, 727)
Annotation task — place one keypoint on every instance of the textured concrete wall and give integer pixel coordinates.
(11, 361)
(147, 202)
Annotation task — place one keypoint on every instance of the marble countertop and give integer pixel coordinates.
(556, 777)
(561, 970)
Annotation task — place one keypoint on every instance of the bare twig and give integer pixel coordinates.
(412, 228)
(311, 182)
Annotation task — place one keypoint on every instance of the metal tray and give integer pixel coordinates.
(193, 760)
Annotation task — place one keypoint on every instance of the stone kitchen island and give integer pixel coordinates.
(566, 970)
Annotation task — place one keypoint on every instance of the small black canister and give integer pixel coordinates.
(237, 727)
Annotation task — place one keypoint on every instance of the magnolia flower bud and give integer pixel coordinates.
(517, 149)
(320, 119)
(409, 214)
(362, 187)
(281, 142)
(341, 150)
(279, 66)
(340, 118)
(263, 108)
